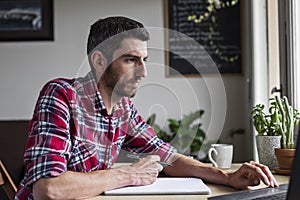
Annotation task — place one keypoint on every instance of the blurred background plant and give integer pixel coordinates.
(186, 134)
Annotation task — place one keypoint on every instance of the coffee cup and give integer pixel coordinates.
(221, 155)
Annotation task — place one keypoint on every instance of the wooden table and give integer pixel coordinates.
(215, 190)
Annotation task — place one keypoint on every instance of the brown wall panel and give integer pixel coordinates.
(13, 136)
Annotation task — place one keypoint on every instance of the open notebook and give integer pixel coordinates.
(165, 186)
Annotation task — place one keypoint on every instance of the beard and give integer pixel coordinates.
(119, 84)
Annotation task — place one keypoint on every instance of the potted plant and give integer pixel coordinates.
(289, 118)
(267, 136)
(275, 129)
(186, 134)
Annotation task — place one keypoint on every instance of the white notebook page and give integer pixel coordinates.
(165, 186)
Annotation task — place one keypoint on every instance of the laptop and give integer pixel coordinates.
(289, 191)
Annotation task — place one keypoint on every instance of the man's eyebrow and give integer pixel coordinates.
(132, 55)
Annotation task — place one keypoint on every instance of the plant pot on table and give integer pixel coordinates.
(285, 159)
(265, 148)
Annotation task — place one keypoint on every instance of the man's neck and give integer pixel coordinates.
(109, 98)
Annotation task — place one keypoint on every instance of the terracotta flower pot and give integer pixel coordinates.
(285, 159)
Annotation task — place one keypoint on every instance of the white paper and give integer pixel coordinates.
(165, 186)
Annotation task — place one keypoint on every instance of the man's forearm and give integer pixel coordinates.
(184, 166)
(74, 185)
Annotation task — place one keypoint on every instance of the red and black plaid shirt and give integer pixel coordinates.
(71, 130)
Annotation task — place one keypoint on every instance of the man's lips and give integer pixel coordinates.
(136, 82)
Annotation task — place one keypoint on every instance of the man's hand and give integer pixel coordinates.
(250, 174)
(143, 172)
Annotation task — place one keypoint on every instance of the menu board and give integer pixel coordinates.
(202, 36)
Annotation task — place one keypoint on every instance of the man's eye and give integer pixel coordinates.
(131, 60)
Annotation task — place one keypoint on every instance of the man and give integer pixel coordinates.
(79, 127)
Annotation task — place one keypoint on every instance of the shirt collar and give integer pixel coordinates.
(91, 90)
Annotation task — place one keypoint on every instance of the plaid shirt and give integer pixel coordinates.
(71, 130)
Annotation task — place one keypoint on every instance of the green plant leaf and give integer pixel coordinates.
(189, 119)
(151, 120)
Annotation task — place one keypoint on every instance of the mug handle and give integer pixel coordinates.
(211, 150)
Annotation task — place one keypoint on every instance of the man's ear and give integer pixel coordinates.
(98, 61)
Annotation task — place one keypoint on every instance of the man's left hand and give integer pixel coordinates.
(250, 174)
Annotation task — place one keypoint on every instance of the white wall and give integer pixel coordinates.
(26, 66)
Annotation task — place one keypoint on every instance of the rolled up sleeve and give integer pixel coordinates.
(48, 145)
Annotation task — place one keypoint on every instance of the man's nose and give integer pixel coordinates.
(141, 70)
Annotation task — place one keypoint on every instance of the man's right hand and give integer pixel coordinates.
(143, 172)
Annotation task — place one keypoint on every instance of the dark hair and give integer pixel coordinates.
(103, 30)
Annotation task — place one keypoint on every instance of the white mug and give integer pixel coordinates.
(221, 155)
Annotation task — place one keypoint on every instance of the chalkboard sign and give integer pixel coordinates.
(203, 36)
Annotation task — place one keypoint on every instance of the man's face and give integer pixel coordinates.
(128, 67)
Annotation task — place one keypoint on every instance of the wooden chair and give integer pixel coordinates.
(6, 182)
